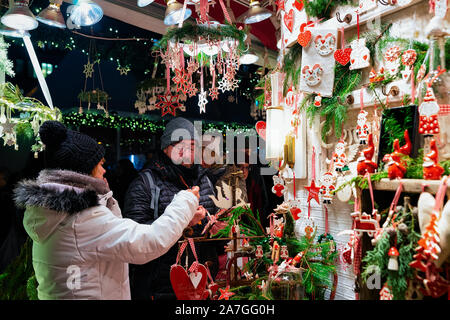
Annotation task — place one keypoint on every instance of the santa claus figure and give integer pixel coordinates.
(431, 168)
(362, 128)
(259, 252)
(339, 157)
(428, 111)
(327, 187)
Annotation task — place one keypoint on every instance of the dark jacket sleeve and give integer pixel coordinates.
(137, 204)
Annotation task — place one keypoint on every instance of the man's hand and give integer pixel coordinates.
(198, 216)
(195, 191)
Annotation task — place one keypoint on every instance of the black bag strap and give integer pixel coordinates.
(154, 191)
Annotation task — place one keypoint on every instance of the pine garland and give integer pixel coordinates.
(323, 8)
(193, 32)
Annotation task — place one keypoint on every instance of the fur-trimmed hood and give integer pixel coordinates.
(60, 190)
(55, 195)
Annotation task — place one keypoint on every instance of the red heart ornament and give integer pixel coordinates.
(343, 55)
(261, 129)
(289, 20)
(296, 213)
(298, 4)
(182, 284)
(304, 38)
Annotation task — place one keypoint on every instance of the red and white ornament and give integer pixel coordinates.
(284, 253)
(362, 128)
(339, 157)
(327, 187)
(325, 45)
(392, 62)
(278, 186)
(360, 56)
(431, 168)
(259, 253)
(428, 114)
(318, 100)
(312, 75)
(385, 293)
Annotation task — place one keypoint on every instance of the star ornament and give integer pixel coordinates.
(225, 294)
(214, 93)
(223, 84)
(88, 69)
(123, 70)
(313, 192)
(202, 101)
(168, 103)
(181, 79)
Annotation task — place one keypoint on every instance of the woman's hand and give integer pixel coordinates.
(195, 191)
(199, 215)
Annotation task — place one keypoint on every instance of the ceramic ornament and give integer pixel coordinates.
(318, 62)
(431, 168)
(339, 156)
(392, 63)
(362, 128)
(408, 59)
(278, 186)
(292, 17)
(366, 5)
(327, 187)
(428, 114)
(360, 56)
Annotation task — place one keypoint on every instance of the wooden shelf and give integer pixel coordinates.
(409, 185)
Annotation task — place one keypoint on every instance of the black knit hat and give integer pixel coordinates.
(189, 132)
(68, 149)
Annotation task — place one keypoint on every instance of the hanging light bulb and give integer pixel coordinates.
(86, 13)
(10, 32)
(256, 13)
(143, 3)
(19, 17)
(173, 13)
(52, 15)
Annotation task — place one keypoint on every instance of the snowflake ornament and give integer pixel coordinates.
(168, 103)
(89, 69)
(214, 93)
(181, 79)
(192, 66)
(223, 85)
(202, 101)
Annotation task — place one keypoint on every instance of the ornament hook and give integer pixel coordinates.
(349, 100)
(394, 91)
(388, 2)
(347, 19)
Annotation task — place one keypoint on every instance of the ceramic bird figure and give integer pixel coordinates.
(431, 168)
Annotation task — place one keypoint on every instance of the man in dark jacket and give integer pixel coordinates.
(172, 170)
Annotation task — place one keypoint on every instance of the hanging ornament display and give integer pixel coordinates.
(362, 128)
(431, 168)
(408, 59)
(278, 186)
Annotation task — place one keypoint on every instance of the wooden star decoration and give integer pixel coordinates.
(166, 58)
(181, 79)
(231, 99)
(191, 89)
(202, 101)
(225, 294)
(313, 191)
(223, 84)
(123, 70)
(214, 93)
(168, 103)
(192, 66)
(233, 84)
(9, 140)
(8, 127)
(89, 69)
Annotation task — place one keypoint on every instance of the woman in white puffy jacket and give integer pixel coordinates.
(81, 243)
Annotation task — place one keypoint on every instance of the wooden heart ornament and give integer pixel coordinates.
(189, 287)
(304, 38)
(343, 55)
(289, 20)
(298, 4)
(261, 129)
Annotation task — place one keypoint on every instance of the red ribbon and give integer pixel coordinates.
(326, 220)
(357, 23)
(225, 12)
(413, 87)
(168, 77)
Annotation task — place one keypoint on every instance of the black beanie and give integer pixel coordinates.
(174, 124)
(68, 149)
